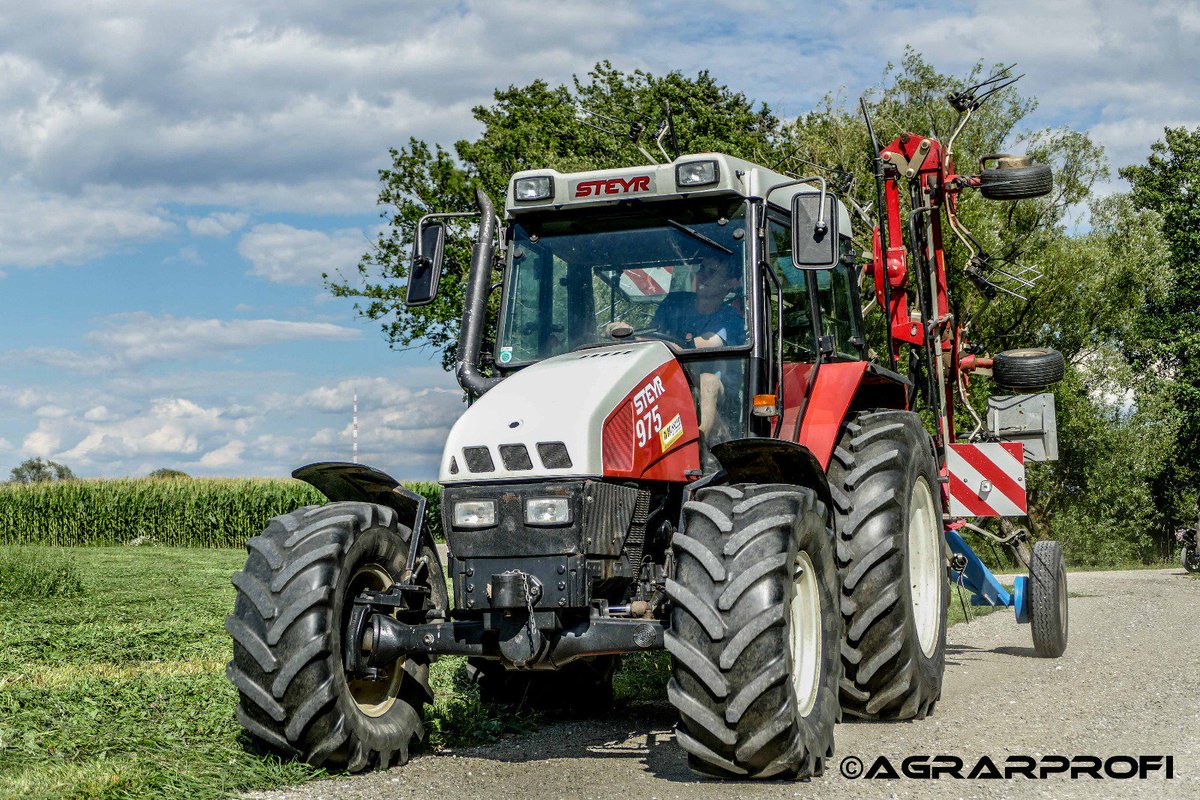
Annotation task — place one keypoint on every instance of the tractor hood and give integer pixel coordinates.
(553, 419)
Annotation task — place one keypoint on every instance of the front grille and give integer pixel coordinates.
(515, 457)
(479, 459)
(618, 440)
(554, 455)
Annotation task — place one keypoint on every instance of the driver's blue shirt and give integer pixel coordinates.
(677, 317)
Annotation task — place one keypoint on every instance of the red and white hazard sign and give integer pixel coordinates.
(646, 282)
(987, 480)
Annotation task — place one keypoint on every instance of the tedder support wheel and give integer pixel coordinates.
(892, 558)
(1014, 178)
(1028, 368)
(584, 686)
(293, 603)
(1048, 599)
(1190, 559)
(755, 632)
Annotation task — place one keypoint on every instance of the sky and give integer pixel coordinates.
(175, 177)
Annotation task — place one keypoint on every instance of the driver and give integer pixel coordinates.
(707, 318)
(703, 318)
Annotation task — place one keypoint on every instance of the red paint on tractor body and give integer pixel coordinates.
(653, 433)
(837, 384)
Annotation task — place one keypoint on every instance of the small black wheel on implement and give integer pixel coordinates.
(892, 557)
(1014, 178)
(584, 686)
(293, 604)
(755, 632)
(1189, 557)
(1028, 368)
(1048, 599)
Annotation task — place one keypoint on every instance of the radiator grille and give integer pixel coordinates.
(479, 459)
(515, 457)
(554, 455)
(618, 440)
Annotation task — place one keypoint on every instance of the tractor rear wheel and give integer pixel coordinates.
(293, 603)
(755, 632)
(892, 557)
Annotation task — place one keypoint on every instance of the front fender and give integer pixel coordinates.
(340, 480)
(765, 460)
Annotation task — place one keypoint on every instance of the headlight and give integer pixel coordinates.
(539, 188)
(547, 511)
(696, 173)
(475, 513)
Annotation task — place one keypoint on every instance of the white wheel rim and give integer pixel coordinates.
(375, 698)
(925, 575)
(804, 634)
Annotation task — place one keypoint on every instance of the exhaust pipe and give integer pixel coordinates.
(470, 335)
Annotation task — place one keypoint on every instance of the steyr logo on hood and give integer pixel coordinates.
(607, 186)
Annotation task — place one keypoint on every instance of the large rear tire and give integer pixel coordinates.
(892, 558)
(293, 604)
(755, 632)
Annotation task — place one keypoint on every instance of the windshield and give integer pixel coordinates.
(668, 271)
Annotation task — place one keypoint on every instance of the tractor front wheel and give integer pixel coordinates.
(755, 632)
(293, 604)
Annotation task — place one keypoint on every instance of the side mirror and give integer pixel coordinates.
(814, 230)
(429, 246)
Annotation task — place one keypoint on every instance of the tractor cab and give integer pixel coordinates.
(696, 255)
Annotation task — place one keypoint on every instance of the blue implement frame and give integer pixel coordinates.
(985, 589)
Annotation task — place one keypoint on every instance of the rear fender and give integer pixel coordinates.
(343, 481)
(841, 388)
(763, 460)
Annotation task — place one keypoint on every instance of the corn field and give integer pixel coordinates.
(188, 512)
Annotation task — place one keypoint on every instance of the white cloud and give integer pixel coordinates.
(128, 341)
(141, 337)
(283, 254)
(224, 457)
(220, 223)
(174, 427)
(38, 228)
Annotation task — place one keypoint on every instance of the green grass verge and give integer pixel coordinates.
(120, 692)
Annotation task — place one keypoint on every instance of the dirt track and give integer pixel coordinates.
(1129, 684)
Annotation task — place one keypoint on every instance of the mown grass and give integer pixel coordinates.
(185, 512)
(119, 692)
(32, 573)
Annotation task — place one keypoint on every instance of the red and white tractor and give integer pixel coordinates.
(684, 442)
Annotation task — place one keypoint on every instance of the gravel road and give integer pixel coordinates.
(1129, 684)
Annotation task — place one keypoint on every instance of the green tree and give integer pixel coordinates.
(529, 126)
(1169, 322)
(166, 473)
(35, 470)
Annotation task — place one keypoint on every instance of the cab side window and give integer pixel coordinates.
(835, 298)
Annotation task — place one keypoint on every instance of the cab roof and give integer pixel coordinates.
(658, 182)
